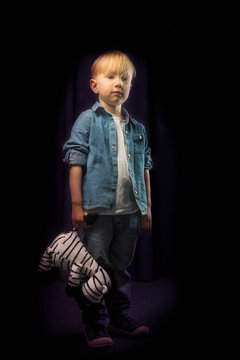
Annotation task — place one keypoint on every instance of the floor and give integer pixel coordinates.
(59, 331)
(54, 328)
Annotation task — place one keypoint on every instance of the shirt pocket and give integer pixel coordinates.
(138, 142)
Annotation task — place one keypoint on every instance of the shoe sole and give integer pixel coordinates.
(139, 332)
(99, 342)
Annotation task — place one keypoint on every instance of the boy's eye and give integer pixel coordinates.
(123, 78)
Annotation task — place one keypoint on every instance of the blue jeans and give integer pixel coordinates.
(114, 239)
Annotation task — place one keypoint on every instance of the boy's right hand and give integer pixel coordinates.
(78, 217)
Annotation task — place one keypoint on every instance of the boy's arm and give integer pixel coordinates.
(146, 220)
(75, 183)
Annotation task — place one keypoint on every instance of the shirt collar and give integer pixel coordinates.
(97, 105)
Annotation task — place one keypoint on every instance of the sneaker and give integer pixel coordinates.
(97, 336)
(128, 327)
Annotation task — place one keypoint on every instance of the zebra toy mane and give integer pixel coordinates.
(67, 252)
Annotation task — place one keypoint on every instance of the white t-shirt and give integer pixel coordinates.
(125, 202)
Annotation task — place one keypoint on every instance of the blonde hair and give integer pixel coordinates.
(115, 61)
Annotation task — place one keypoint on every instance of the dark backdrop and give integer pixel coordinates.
(180, 94)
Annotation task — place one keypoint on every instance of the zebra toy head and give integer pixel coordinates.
(67, 252)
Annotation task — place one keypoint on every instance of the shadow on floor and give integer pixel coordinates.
(58, 330)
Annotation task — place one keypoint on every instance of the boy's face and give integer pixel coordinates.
(112, 88)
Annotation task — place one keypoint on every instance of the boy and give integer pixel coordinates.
(113, 148)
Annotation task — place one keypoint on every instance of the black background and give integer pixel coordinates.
(190, 55)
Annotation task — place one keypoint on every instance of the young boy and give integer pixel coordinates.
(116, 186)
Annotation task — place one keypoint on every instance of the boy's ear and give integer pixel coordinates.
(94, 86)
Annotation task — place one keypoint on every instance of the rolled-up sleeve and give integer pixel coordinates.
(148, 163)
(76, 149)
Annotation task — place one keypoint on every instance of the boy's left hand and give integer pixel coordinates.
(146, 221)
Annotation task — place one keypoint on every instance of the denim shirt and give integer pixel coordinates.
(93, 143)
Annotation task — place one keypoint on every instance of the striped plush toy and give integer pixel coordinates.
(67, 252)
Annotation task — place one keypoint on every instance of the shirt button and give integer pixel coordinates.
(126, 132)
(113, 147)
(112, 123)
(140, 137)
(136, 192)
(129, 155)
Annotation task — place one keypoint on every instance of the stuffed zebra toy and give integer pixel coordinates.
(67, 252)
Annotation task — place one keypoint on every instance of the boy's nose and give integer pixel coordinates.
(119, 81)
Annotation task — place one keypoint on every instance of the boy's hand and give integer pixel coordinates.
(78, 217)
(146, 221)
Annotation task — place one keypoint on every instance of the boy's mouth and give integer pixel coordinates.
(117, 92)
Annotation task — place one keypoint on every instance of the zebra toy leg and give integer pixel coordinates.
(76, 277)
(98, 285)
(94, 281)
(47, 272)
(45, 262)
